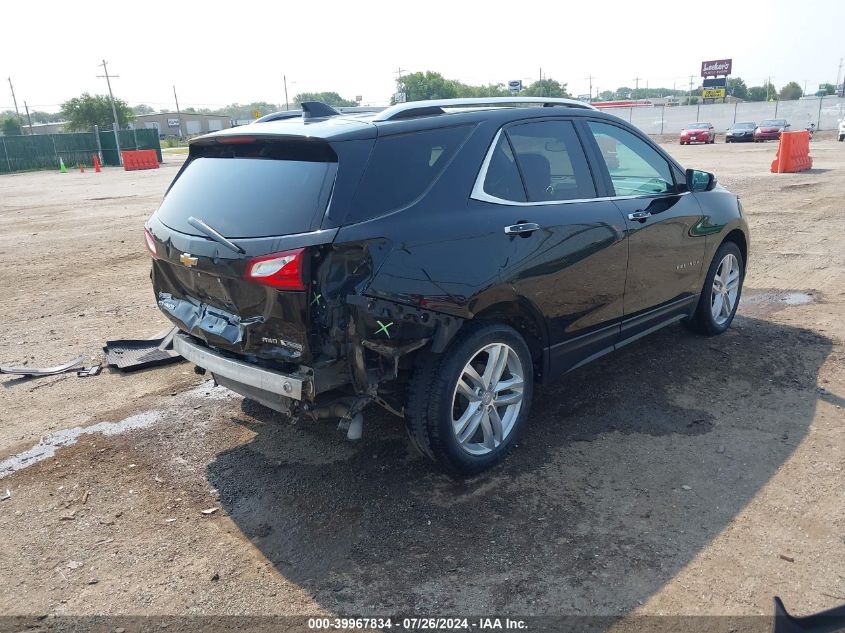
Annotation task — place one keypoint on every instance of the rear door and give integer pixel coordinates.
(665, 240)
(565, 247)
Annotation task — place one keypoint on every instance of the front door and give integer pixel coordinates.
(666, 247)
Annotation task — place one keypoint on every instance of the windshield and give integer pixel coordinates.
(773, 123)
(744, 126)
(698, 126)
(249, 197)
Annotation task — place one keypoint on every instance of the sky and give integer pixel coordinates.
(221, 53)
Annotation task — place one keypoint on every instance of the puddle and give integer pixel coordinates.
(760, 302)
(797, 298)
(49, 444)
(47, 447)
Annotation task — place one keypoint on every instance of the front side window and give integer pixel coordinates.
(551, 161)
(636, 168)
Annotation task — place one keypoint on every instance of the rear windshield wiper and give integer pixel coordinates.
(210, 232)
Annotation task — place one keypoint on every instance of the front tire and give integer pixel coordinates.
(721, 292)
(841, 137)
(467, 407)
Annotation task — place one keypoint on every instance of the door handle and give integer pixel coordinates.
(640, 216)
(524, 228)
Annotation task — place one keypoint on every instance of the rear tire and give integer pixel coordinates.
(841, 137)
(721, 292)
(465, 412)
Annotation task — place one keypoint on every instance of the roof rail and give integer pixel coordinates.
(424, 108)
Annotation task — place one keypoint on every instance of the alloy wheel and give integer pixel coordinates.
(487, 399)
(725, 289)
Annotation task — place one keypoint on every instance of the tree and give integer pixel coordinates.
(623, 92)
(329, 98)
(546, 88)
(490, 90)
(791, 92)
(86, 111)
(10, 126)
(761, 93)
(737, 88)
(142, 108)
(607, 95)
(420, 86)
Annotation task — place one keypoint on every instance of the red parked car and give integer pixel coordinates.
(698, 133)
(770, 129)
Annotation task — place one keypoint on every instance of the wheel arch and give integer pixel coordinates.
(738, 237)
(519, 314)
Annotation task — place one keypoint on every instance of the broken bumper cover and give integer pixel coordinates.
(275, 382)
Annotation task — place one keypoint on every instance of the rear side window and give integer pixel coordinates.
(249, 197)
(552, 161)
(503, 180)
(402, 167)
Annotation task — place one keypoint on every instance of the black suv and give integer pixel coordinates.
(436, 258)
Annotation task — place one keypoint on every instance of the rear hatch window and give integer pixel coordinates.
(259, 189)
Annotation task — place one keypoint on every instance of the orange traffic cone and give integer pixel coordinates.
(96, 164)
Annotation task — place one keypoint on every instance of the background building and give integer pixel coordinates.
(192, 123)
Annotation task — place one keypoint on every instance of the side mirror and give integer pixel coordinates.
(700, 180)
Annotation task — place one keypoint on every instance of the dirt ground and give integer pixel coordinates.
(680, 475)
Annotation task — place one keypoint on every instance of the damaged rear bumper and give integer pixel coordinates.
(234, 372)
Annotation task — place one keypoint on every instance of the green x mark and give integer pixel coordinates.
(383, 328)
(316, 299)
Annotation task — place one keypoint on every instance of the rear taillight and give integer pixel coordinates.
(279, 270)
(150, 242)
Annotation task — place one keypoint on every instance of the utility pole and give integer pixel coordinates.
(590, 79)
(28, 118)
(768, 83)
(18, 114)
(178, 111)
(636, 86)
(689, 94)
(399, 87)
(285, 80)
(113, 110)
(836, 87)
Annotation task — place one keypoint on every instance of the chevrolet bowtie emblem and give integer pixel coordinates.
(188, 260)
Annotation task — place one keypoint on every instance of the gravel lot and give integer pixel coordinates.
(680, 475)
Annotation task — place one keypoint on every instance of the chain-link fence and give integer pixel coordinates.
(43, 151)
